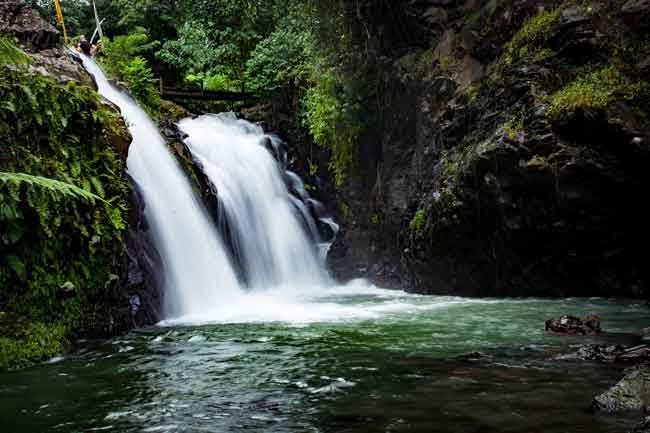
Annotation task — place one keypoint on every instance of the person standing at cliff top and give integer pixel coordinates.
(85, 46)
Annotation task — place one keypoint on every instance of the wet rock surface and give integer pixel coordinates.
(643, 426)
(143, 281)
(467, 184)
(33, 32)
(631, 394)
(571, 325)
(614, 354)
(42, 42)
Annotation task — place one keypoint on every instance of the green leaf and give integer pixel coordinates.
(52, 185)
(15, 232)
(18, 266)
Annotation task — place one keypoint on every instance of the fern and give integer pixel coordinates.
(10, 54)
(53, 185)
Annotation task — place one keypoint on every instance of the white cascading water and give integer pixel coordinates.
(271, 231)
(198, 276)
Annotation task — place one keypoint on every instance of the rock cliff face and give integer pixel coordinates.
(509, 154)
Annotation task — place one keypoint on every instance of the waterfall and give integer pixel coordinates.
(267, 232)
(272, 232)
(198, 275)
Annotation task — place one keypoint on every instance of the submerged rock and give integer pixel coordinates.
(632, 393)
(472, 356)
(571, 325)
(616, 353)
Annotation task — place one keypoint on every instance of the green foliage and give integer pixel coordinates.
(124, 58)
(472, 93)
(160, 18)
(30, 342)
(515, 126)
(529, 41)
(446, 64)
(594, 90)
(60, 224)
(12, 55)
(217, 37)
(54, 186)
(345, 209)
(122, 48)
(332, 121)
(279, 60)
(219, 82)
(449, 168)
(448, 209)
(418, 64)
(141, 81)
(190, 53)
(417, 223)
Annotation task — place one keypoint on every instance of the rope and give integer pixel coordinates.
(59, 18)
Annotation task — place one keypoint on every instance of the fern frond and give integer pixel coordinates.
(10, 54)
(54, 185)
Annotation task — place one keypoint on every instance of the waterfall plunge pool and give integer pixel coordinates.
(347, 359)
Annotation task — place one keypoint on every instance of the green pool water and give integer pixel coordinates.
(349, 359)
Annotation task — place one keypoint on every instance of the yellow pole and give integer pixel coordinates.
(59, 18)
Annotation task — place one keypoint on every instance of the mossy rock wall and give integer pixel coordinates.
(511, 158)
(63, 215)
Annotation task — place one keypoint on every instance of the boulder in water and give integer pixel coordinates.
(597, 352)
(572, 325)
(632, 393)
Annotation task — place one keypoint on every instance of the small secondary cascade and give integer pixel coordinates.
(271, 232)
(198, 275)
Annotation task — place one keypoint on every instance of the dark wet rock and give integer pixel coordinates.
(637, 13)
(632, 355)
(643, 426)
(59, 64)
(631, 394)
(142, 286)
(41, 41)
(644, 66)
(571, 325)
(593, 352)
(472, 70)
(512, 200)
(472, 356)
